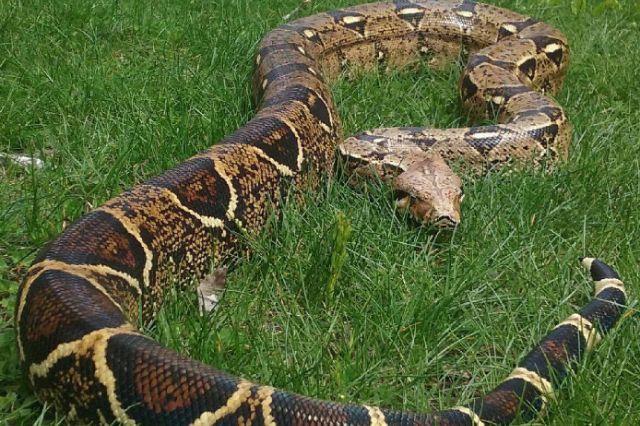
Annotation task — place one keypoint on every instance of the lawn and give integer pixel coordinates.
(343, 298)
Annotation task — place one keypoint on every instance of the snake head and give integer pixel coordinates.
(431, 191)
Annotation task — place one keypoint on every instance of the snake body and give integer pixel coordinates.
(79, 303)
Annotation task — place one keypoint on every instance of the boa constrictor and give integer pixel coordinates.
(79, 303)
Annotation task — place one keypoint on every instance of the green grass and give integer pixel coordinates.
(108, 93)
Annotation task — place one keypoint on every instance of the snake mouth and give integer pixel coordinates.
(445, 222)
(423, 213)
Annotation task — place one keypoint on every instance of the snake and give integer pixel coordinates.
(81, 302)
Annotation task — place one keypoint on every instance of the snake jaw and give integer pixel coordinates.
(446, 222)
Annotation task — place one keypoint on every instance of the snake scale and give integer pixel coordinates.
(80, 300)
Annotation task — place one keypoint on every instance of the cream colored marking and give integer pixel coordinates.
(234, 402)
(352, 19)
(309, 33)
(233, 196)
(265, 395)
(380, 54)
(284, 170)
(511, 28)
(104, 374)
(103, 421)
(475, 419)
(395, 162)
(485, 135)
(329, 113)
(133, 230)
(586, 262)
(345, 151)
(464, 13)
(265, 83)
(78, 270)
(498, 100)
(552, 47)
(208, 221)
(609, 283)
(78, 347)
(239, 224)
(296, 135)
(312, 71)
(258, 59)
(524, 59)
(301, 50)
(379, 140)
(540, 383)
(376, 415)
(324, 127)
(424, 49)
(95, 341)
(409, 11)
(56, 265)
(588, 331)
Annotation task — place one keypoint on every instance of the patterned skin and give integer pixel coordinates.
(85, 291)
